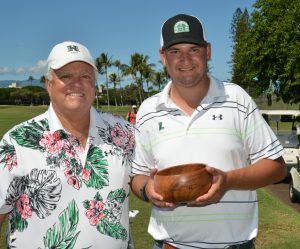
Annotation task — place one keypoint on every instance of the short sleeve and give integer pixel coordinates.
(8, 162)
(260, 140)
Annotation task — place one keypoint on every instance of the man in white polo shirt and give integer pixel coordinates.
(199, 119)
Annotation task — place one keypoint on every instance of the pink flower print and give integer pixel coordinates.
(51, 142)
(69, 149)
(86, 174)
(73, 180)
(66, 163)
(118, 135)
(79, 149)
(68, 172)
(11, 160)
(23, 207)
(95, 212)
(131, 140)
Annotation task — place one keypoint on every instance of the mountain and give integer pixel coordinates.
(22, 83)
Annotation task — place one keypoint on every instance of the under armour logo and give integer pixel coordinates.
(73, 48)
(214, 117)
(160, 126)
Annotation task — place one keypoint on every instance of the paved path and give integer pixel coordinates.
(281, 190)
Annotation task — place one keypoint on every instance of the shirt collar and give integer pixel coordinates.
(55, 124)
(216, 90)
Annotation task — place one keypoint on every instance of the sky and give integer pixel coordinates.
(29, 29)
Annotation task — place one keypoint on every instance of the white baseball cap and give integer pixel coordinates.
(67, 52)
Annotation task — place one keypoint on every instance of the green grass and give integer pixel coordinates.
(12, 115)
(279, 224)
(141, 238)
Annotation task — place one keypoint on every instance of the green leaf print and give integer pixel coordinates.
(63, 234)
(97, 166)
(29, 135)
(119, 195)
(86, 204)
(98, 197)
(106, 216)
(5, 149)
(19, 223)
(114, 230)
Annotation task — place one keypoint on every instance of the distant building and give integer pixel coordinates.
(14, 85)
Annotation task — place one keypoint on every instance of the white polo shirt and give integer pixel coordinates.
(62, 195)
(227, 132)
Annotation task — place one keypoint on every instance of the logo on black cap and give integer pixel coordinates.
(181, 27)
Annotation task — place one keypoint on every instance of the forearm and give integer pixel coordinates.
(137, 184)
(260, 174)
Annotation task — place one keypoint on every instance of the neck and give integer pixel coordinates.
(78, 126)
(188, 98)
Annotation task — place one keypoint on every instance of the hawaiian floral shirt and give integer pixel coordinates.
(61, 195)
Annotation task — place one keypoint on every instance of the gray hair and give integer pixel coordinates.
(49, 74)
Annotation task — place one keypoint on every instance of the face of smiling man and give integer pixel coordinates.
(72, 88)
(186, 63)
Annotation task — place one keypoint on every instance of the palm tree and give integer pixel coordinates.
(132, 69)
(145, 70)
(113, 78)
(119, 67)
(30, 78)
(103, 62)
(161, 78)
(43, 79)
(158, 80)
(148, 74)
(137, 67)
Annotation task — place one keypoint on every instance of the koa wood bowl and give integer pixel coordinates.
(182, 183)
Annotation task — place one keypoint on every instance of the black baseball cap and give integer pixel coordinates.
(182, 29)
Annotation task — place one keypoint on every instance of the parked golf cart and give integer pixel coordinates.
(289, 138)
(294, 184)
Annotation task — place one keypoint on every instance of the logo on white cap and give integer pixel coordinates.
(73, 48)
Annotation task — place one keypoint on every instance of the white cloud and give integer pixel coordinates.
(4, 70)
(19, 70)
(38, 69)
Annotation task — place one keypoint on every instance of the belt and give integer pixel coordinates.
(250, 244)
(246, 245)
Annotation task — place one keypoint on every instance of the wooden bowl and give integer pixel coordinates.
(182, 183)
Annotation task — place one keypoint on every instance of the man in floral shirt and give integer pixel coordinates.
(64, 174)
